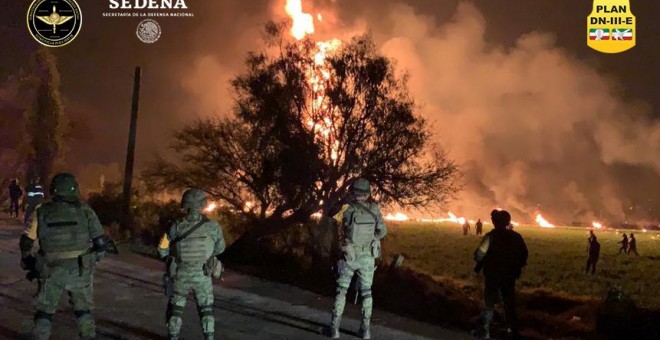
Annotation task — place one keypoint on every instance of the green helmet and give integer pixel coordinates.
(193, 199)
(361, 187)
(64, 185)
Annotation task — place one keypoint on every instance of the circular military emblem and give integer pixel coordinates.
(148, 31)
(54, 23)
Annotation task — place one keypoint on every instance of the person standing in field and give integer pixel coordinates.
(624, 244)
(15, 193)
(479, 227)
(632, 245)
(501, 255)
(594, 253)
(466, 227)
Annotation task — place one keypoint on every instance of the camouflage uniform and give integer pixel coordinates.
(190, 255)
(65, 261)
(362, 227)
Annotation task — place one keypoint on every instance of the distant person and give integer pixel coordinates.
(479, 226)
(624, 244)
(502, 254)
(15, 193)
(35, 196)
(466, 227)
(632, 245)
(594, 253)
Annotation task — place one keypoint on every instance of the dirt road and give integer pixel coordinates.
(130, 305)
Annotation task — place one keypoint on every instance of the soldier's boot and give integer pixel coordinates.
(333, 330)
(42, 325)
(207, 320)
(365, 329)
(86, 324)
(367, 307)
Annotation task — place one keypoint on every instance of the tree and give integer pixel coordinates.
(46, 124)
(310, 117)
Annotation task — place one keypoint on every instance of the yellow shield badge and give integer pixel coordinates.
(611, 26)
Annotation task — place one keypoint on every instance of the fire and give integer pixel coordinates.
(303, 23)
(543, 222)
(210, 207)
(319, 119)
(596, 225)
(397, 217)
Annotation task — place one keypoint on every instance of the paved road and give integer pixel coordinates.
(130, 305)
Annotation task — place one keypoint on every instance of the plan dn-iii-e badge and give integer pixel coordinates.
(611, 26)
(54, 23)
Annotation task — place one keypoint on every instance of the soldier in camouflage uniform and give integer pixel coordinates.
(191, 252)
(361, 229)
(65, 261)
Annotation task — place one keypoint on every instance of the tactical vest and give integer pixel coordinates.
(63, 230)
(361, 226)
(195, 249)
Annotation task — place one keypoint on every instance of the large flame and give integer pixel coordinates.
(597, 225)
(543, 222)
(303, 23)
(399, 216)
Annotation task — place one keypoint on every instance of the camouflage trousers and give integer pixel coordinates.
(202, 287)
(81, 297)
(364, 266)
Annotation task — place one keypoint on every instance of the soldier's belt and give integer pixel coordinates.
(65, 255)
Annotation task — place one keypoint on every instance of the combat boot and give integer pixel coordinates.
(365, 329)
(333, 330)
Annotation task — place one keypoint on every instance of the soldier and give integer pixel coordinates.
(362, 227)
(195, 242)
(632, 245)
(624, 244)
(15, 193)
(65, 261)
(594, 253)
(466, 227)
(502, 254)
(479, 226)
(35, 195)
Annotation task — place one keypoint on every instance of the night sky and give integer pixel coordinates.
(188, 68)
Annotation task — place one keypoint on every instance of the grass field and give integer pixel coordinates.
(557, 259)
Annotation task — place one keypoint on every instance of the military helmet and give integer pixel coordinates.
(64, 185)
(193, 199)
(361, 187)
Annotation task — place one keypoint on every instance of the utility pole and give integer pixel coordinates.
(127, 220)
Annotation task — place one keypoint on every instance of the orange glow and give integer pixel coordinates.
(596, 225)
(542, 222)
(210, 207)
(397, 217)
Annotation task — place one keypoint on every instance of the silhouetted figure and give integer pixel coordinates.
(466, 227)
(502, 254)
(632, 245)
(34, 197)
(15, 193)
(594, 253)
(479, 226)
(624, 244)
(591, 237)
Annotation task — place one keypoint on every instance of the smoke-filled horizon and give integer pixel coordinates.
(532, 125)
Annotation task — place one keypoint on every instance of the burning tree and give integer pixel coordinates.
(308, 118)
